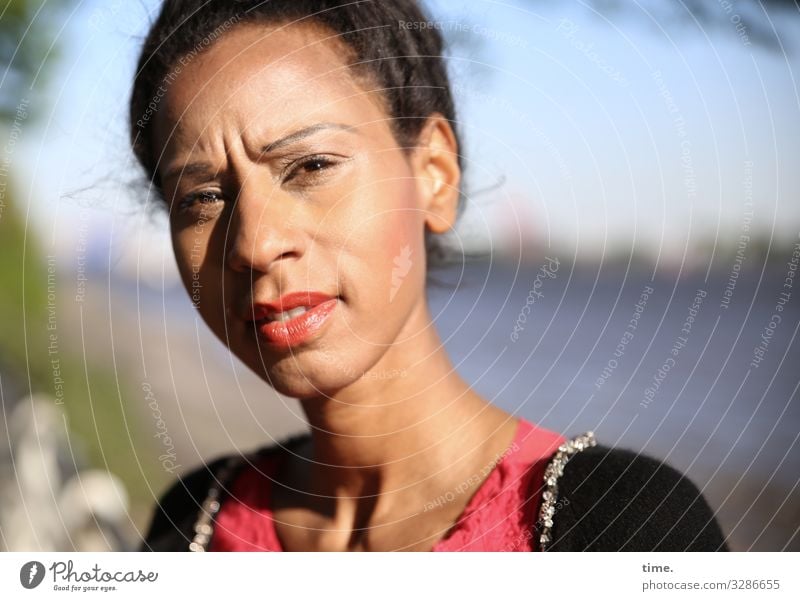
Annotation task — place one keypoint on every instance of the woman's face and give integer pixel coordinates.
(283, 177)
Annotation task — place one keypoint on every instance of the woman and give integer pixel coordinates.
(306, 151)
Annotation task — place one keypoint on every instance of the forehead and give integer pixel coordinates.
(264, 78)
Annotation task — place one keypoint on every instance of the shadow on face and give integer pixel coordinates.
(283, 176)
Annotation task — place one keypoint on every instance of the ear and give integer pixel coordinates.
(437, 171)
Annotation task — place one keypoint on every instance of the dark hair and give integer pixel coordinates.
(392, 44)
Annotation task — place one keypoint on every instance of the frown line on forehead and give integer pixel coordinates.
(300, 134)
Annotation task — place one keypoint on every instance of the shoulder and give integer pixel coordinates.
(172, 523)
(617, 500)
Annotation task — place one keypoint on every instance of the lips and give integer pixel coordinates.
(294, 318)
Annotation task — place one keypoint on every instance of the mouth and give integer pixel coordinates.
(294, 319)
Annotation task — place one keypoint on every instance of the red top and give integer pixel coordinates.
(498, 517)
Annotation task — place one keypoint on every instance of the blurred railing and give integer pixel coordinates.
(49, 500)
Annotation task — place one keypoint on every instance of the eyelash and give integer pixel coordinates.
(192, 199)
(289, 173)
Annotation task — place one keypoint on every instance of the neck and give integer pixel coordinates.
(383, 433)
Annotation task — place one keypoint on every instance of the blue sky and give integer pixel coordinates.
(611, 133)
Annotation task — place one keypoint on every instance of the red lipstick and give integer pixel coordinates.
(294, 318)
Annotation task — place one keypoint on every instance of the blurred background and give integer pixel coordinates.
(636, 164)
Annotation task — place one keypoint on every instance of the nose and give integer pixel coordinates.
(261, 231)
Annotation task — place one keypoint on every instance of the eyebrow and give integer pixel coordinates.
(205, 169)
(304, 133)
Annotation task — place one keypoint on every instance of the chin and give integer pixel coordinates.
(318, 370)
(289, 378)
(302, 388)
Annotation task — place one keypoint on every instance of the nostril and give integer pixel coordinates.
(286, 255)
(259, 257)
(237, 260)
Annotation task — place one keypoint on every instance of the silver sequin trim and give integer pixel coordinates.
(553, 471)
(204, 526)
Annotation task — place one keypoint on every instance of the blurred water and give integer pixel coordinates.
(731, 426)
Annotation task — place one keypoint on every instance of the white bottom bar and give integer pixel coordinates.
(401, 576)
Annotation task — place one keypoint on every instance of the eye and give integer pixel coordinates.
(202, 197)
(308, 166)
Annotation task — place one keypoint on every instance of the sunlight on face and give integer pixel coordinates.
(283, 175)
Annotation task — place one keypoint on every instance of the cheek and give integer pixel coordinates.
(182, 244)
(192, 247)
(400, 242)
(404, 259)
(401, 231)
(390, 244)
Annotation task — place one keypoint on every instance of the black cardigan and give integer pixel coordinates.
(608, 500)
